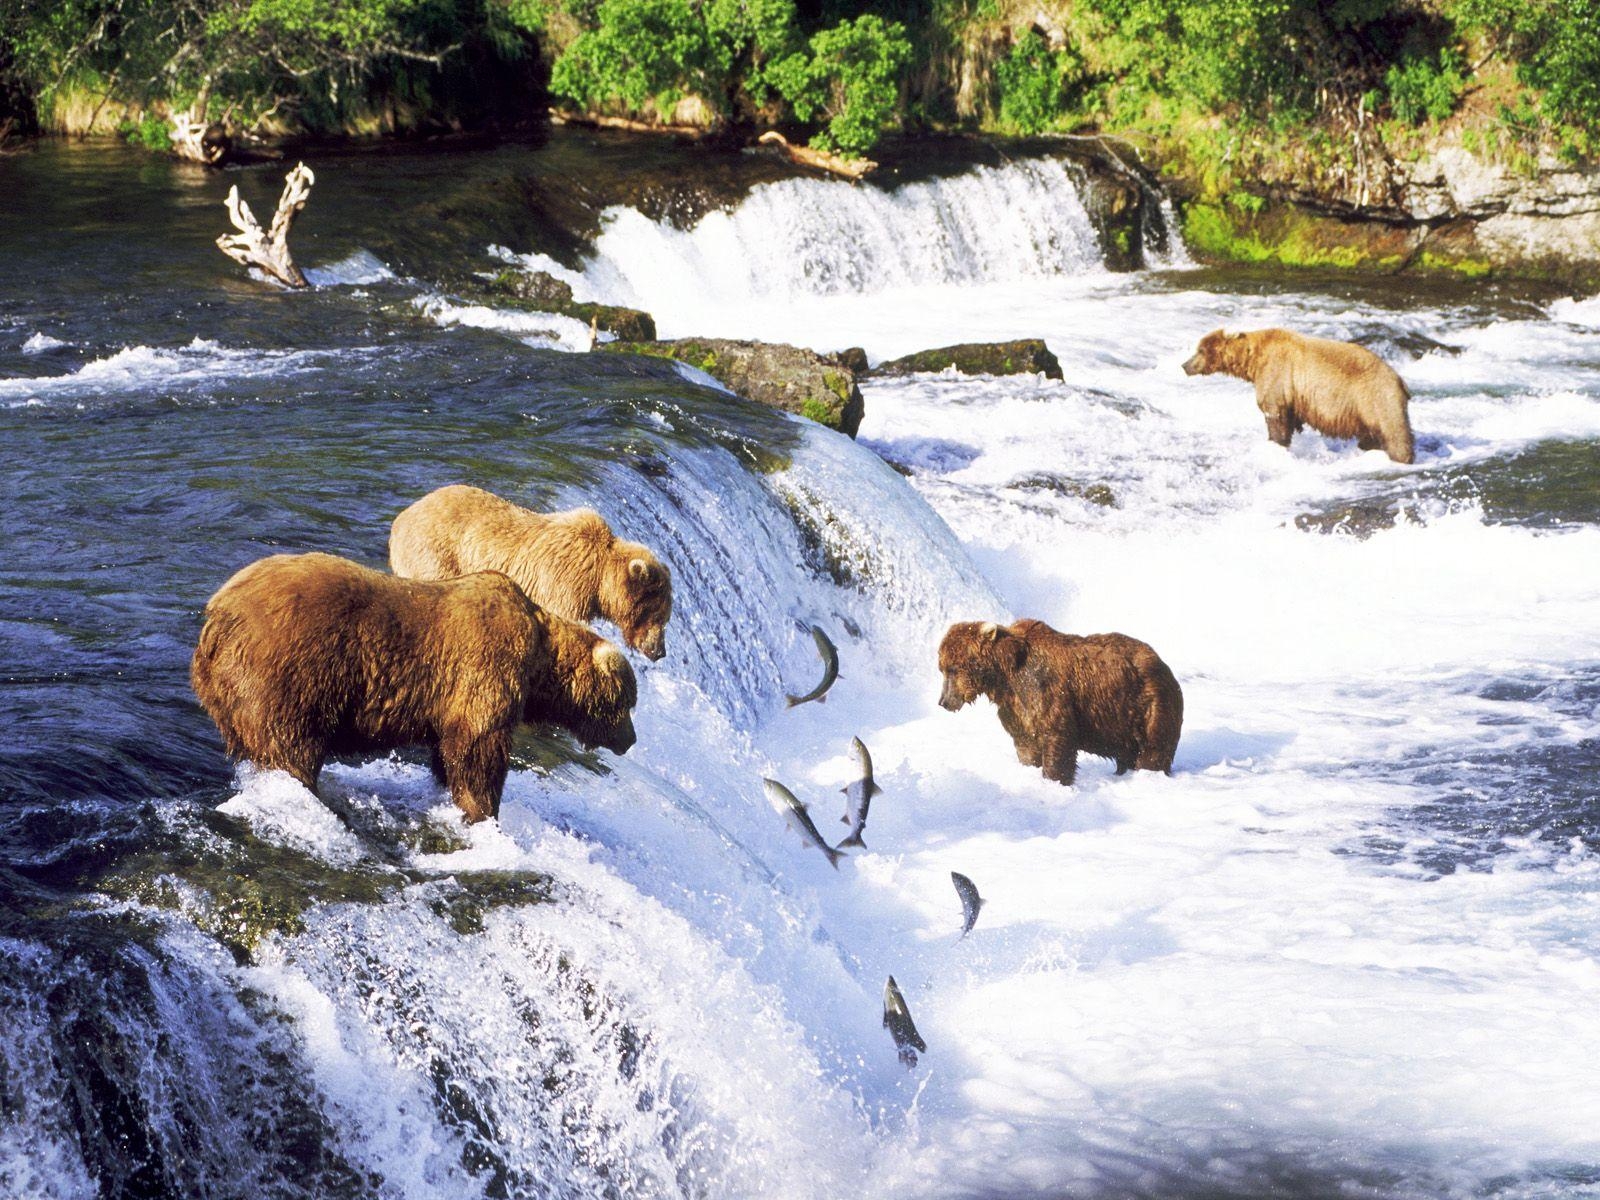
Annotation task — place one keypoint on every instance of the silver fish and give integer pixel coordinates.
(971, 902)
(860, 793)
(830, 669)
(794, 811)
(897, 1020)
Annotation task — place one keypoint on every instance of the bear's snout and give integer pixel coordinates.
(653, 645)
(621, 739)
(1195, 365)
(949, 697)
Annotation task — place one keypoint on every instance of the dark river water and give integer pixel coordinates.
(1349, 947)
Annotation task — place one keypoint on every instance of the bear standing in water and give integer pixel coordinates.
(1058, 694)
(568, 562)
(304, 656)
(1337, 388)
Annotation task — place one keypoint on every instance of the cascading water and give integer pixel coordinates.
(1347, 947)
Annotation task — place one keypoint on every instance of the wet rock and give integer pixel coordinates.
(1093, 493)
(1028, 356)
(539, 291)
(790, 378)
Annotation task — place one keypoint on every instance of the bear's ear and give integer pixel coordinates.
(640, 571)
(989, 631)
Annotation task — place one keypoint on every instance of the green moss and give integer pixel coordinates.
(1472, 268)
(817, 411)
(838, 384)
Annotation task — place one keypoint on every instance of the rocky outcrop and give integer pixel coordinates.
(1027, 356)
(1544, 220)
(538, 291)
(790, 378)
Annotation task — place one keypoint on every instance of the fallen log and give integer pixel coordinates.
(821, 160)
(270, 250)
(562, 116)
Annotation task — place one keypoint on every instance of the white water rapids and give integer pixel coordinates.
(1310, 962)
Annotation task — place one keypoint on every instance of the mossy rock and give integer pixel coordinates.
(1027, 356)
(790, 378)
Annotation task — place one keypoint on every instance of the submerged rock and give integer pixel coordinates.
(791, 378)
(539, 291)
(1027, 356)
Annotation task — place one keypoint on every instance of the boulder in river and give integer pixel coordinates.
(1027, 356)
(539, 291)
(790, 378)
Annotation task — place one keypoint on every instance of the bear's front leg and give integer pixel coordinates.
(1060, 760)
(1279, 428)
(475, 769)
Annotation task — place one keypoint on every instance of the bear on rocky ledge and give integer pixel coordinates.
(304, 656)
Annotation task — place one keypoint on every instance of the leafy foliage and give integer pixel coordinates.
(849, 81)
(1032, 80)
(1425, 87)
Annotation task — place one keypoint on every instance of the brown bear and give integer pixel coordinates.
(303, 656)
(568, 562)
(1104, 694)
(1337, 388)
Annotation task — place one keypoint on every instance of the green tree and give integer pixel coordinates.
(850, 81)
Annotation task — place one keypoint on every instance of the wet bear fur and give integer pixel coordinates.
(1060, 694)
(302, 657)
(1339, 389)
(568, 562)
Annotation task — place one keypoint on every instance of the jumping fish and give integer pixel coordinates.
(830, 669)
(971, 902)
(897, 1020)
(793, 811)
(860, 793)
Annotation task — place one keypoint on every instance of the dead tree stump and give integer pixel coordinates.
(199, 142)
(270, 250)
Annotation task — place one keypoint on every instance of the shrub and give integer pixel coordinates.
(849, 80)
(1032, 81)
(1425, 87)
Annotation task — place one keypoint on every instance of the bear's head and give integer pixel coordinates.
(977, 660)
(593, 691)
(1220, 351)
(637, 596)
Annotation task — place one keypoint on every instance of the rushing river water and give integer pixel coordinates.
(1351, 947)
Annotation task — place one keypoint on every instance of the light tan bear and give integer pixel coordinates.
(568, 562)
(304, 656)
(1337, 388)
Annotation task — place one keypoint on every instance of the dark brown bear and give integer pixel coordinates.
(1058, 694)
(1338, 388)
(307, 656)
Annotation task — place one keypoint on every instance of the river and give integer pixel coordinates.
(1350, 947)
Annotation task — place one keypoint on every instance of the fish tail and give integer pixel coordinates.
(834, 855)
(790, 700)
(853, 840)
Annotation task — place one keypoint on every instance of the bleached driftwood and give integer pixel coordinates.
(269, 250)
(199, 142)
(822, 160)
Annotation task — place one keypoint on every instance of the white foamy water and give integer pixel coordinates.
(200, 364)
(546, 330)
(355, 269)
(1316, 960)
